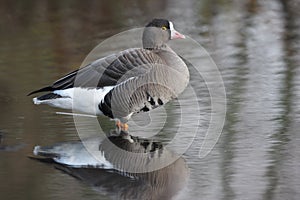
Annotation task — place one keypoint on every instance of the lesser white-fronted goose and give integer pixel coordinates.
(131, 81)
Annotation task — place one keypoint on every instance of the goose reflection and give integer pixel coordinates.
(104, 166)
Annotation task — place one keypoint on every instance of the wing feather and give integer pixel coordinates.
(108, 71)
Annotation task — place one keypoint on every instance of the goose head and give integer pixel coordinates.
(158, 32)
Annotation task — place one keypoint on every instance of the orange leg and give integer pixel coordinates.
(122, 126)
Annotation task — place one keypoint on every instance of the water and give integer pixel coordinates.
(255, 45)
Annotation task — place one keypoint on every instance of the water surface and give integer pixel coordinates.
(255, 44)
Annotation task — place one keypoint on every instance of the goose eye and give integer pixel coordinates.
(164, 28)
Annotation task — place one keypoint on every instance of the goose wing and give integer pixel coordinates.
(141, 93)
(108, 71)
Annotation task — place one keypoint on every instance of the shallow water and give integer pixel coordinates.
(255, 45)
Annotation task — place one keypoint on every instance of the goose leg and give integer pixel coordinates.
(121, 126)
(122, 130)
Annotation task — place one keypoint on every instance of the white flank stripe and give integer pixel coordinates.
(76, 114)
(83, 100)
(171, 26)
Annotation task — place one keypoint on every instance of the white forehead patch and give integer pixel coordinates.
(171, 26)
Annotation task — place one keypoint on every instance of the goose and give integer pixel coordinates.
(124, 83)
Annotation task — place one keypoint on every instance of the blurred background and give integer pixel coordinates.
(255, 44)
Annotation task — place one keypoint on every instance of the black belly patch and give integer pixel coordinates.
(145, 109)
(160, 102)
(151, 103)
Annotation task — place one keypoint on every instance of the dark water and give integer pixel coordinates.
(255, 45)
